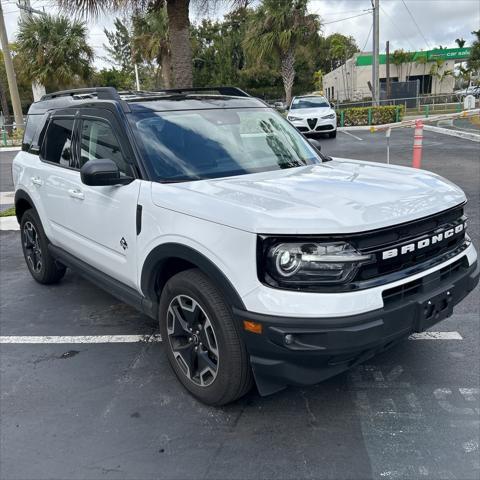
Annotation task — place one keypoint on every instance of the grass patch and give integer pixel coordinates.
(8, 212)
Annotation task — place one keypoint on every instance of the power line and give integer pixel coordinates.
(416, 24)
(368, 38)
(397, 28)
(348, 18)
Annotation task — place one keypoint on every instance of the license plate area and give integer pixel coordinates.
(433, 310)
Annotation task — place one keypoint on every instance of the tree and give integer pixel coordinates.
(218, 53)
(318, 79)
(54, 50)
(436, 72)
(23, 83)
(112, 77)
(460, 42)
(120, 45)
(278, 28)
(398, 58)
(178, 25)
(422, 59)
(151, 44)
(473, 62)
(339, 49)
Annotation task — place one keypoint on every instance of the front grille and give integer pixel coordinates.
(302, 129)
(438, 278)
(408, 235)
(323, 127)
(312, 122)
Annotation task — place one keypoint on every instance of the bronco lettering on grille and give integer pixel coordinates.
(424, 242)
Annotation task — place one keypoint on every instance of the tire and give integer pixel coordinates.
(333, 134)
(194, 314)
(42, 266)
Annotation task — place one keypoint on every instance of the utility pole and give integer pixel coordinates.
(12, 81)
(27, 11)
(376, 52)
(389, 85)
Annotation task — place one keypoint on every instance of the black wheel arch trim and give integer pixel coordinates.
(158, 257)
(19, 196)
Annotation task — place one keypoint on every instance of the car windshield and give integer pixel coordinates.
(309, 102)
(201, 144)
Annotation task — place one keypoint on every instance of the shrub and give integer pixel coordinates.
(357, 116)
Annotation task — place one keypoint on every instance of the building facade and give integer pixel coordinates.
(432, 68)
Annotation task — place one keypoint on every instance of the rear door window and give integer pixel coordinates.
(32, 129)
(57, 145)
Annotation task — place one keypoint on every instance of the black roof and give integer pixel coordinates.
(159, 100)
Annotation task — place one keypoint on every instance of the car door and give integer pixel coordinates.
(54, 172)
(101, 220)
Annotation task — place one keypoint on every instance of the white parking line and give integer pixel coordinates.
(156, 338)
(436, 336)
(351, 135)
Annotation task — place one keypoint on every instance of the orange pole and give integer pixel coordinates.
(417, 144)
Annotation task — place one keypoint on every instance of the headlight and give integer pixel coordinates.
(294, 119)
(304, 264)
(331, 115)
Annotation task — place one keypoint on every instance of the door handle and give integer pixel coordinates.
(74, 193)
(36, 181)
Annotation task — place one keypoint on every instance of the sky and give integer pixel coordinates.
(437, 22)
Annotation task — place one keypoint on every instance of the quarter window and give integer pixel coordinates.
(57, 147)
(98, 141)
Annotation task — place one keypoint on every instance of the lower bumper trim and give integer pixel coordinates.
(300, 351)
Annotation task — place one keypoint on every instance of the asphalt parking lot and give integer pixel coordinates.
(116, 411)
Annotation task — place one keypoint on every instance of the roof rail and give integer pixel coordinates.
(228, 91)
(102, 93)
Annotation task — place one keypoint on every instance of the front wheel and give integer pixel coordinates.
(43, 267)
(203, 342)
(333, 134)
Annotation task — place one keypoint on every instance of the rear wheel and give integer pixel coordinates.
(203, 343)
(43, 267)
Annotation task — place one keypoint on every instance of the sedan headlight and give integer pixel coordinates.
(329, 116)
(294, 119)
(303, 264)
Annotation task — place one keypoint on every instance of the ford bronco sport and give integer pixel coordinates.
(262, 259)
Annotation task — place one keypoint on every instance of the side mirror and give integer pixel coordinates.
(102, 172)
(332, 105)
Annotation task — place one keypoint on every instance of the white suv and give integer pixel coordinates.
(261, 259)
(313, 115)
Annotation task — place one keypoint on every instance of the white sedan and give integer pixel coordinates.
(313, 115)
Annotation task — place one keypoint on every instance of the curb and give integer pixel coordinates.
(453, 133)
(10, 149)
(9, 223)
(7, 198)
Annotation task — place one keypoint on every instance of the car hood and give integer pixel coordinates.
(341, 196)
(310, 112)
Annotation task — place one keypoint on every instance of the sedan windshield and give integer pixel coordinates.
(309, 102)
(200, 144)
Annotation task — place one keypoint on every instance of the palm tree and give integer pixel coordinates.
(473, 62)
(178, 25)
(460, 42)
(150, 41)
(54, 50)
(422, 59)
(278, 28)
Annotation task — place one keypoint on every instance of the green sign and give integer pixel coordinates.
(445, 54)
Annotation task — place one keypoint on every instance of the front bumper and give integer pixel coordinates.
(319, 348)
(320, 126)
